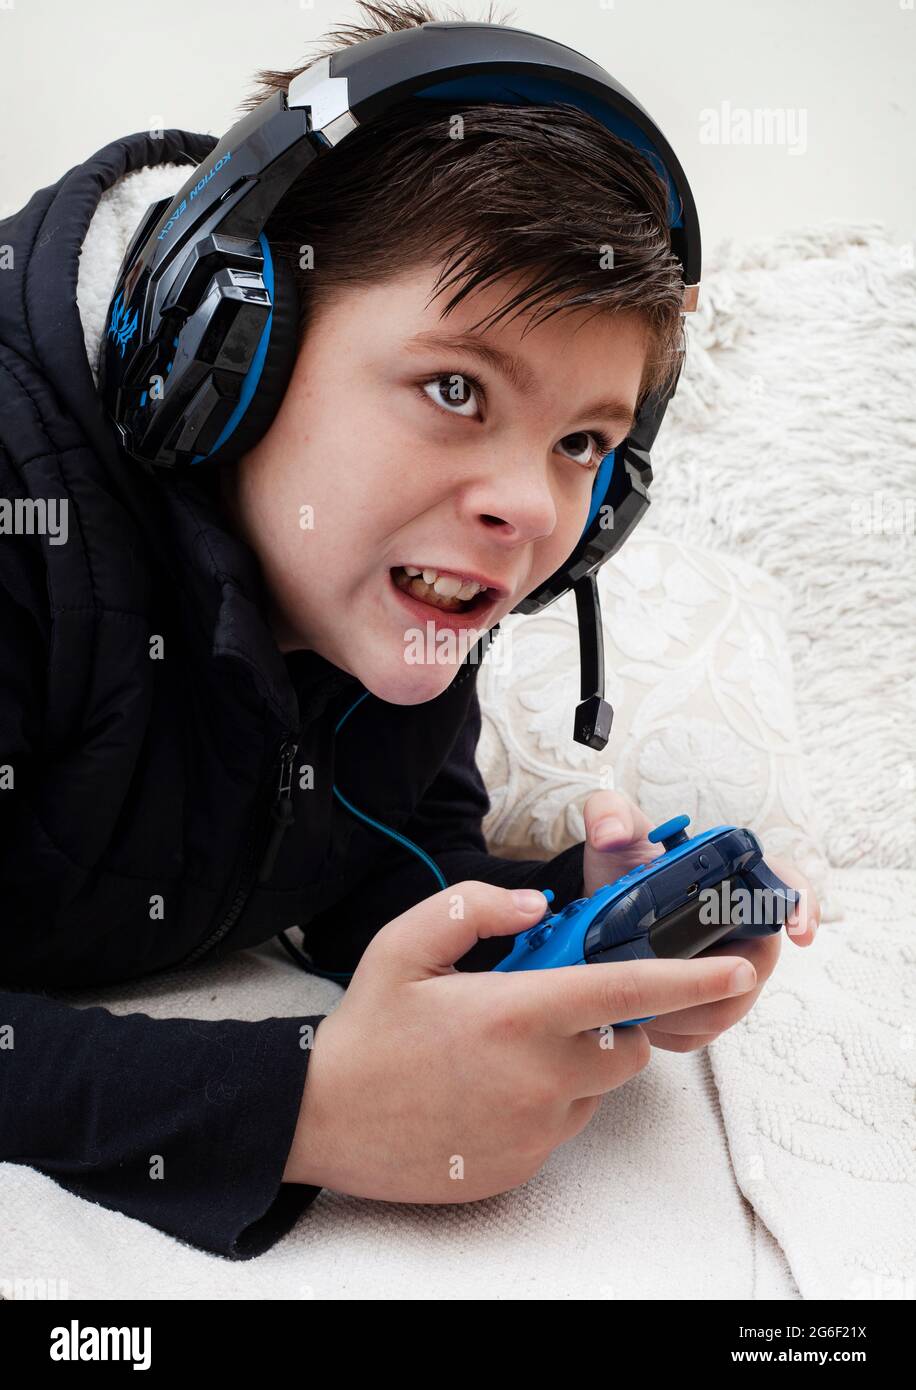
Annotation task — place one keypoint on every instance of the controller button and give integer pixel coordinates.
(538, 937)
(702, 861)
(670, 833)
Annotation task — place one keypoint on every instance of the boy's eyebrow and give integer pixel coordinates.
(517, 372)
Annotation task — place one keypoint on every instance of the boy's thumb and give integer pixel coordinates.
(430, 937)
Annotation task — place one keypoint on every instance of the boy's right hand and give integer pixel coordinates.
(428, 1084)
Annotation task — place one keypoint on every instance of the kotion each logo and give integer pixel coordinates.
(123, 325)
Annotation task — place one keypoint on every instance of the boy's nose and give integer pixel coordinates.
(515, 506)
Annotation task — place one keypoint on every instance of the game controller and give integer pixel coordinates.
(702, 891)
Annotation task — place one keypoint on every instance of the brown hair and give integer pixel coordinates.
(538, 191)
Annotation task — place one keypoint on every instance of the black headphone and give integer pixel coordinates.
(203, 326)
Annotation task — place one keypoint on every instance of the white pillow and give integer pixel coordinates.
(698, 674)
(792, 443)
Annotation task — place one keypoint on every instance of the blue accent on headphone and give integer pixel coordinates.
(548, 91)
(253, 375)
(599, 488)
(122, 327)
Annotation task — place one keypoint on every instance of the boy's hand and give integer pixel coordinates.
(428, 1084)
(615, 831)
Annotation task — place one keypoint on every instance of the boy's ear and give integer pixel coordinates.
(282, 349)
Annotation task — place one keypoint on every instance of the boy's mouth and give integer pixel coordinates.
(443, 590)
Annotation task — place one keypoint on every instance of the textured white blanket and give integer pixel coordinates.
(798, 1122)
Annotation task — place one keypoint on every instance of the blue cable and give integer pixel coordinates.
(343, 977)
(364, 696)
(401, 839)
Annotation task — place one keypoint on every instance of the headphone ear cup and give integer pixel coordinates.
(282, 349)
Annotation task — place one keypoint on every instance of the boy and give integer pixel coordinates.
(190, 676)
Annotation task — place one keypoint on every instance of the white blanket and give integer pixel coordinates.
(796, 1124)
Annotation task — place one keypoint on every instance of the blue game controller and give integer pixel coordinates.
(702, 891)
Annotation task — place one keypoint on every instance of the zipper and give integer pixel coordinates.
(281, 813)
(282, 810)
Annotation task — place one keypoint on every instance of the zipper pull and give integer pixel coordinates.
(282, 810)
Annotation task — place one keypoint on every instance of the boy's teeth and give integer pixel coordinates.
(441, 590)
(446, 585)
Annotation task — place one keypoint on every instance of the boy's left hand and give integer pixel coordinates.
(615, 841)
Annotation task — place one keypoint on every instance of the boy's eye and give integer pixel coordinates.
(459, 394)
(594, 449)
(455, 392)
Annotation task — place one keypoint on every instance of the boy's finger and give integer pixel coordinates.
(763, 953)
(677, 1042)
(612, 819)
(802, 924)
(429, 937)
(574, 998)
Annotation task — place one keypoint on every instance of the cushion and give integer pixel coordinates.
(698, 673)
(790, 442)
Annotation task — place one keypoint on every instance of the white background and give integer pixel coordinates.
(74, 76)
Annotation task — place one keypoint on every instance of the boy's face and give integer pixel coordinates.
(383, 454)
